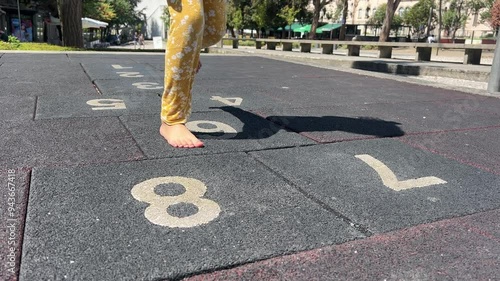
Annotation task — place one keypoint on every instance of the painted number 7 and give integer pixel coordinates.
(391, 181)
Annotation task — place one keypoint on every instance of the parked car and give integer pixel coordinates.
(113, 40)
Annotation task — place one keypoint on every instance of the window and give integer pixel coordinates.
(374, 11)
(401, 11)
(360, 13)
(367, 14)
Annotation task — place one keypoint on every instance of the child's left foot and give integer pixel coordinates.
(179, 136)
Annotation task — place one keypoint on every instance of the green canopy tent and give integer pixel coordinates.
(329, 28)
(301, 29)
(290, 28)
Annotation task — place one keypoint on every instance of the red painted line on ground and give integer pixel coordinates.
(446, 155)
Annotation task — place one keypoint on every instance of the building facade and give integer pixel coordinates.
(360, 12)
(29, 28)
(152, 12)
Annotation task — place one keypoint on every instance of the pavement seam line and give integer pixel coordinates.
(359, 227)
(34, 108)
(132, 136)
(22, 229)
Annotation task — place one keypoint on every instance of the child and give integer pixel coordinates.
(194, 24)
(135, 40)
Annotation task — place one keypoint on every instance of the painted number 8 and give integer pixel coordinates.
(157, 213)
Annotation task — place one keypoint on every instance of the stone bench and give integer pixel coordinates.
(472, 53)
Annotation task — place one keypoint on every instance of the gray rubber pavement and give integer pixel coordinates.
(302, 164)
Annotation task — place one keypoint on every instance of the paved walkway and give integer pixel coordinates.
(308, 174)
(445, 70)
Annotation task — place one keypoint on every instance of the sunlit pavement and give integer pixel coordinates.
(307, 174)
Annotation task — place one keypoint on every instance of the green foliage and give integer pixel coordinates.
(99, 9)
(418, 15)
(166, 16)
(114, 12)
(13, 41)
(288, 14)
(234, 16)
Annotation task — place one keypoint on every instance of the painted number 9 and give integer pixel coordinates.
(218, 127)
(157, 213)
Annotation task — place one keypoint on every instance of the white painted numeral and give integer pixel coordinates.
(107, 104)
(157, 212)
(390, 180)
(147, 85)
(117, 66)
(130, 74)
(194, 126)
(228, 101)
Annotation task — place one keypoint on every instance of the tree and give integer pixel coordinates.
(378, 18)
(318, 6)
(234, 18)
(288, 14)
(339, 8)
(70, 14)
(391, 8)
(345, 10)
(495, 16)
(486, 14)
(100, 10)
(418, 16)
(455, 17)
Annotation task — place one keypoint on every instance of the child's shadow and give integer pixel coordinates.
(256, 127)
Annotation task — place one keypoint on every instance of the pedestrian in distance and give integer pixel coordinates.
(194, 25)
(141, 41)
(431, 39)
(3, 36)
(136, 38)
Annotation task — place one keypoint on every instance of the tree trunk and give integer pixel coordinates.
(70, 14)
(440, 20)
(344, 20)
(392, 5)
(315, 22)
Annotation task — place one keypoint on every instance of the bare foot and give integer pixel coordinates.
(179, 136)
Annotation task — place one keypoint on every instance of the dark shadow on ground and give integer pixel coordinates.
(381, 66)
(256, 127)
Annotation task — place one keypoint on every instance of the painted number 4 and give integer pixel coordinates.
(228, 101)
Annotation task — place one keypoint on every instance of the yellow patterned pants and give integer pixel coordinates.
(194, 24)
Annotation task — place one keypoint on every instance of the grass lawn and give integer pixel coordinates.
(35, 47)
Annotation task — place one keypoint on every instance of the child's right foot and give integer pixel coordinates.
(179, 136)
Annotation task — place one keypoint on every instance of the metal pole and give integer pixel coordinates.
(494, 83)
(19, 17)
